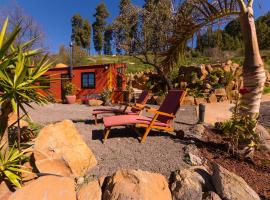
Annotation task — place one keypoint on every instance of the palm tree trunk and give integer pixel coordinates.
(253, 68)
(6, 110)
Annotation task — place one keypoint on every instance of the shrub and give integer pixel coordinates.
(266, 90)
(106, 95)
(240, 129)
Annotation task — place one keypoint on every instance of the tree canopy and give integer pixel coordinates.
(99, 26)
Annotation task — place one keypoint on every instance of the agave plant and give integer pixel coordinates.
(19, 78)
(10, 167)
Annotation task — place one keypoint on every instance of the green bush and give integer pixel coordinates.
(240, 129)
(266, 90)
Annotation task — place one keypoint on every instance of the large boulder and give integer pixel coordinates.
(200, 100)
(47, 188)
(230, 186)
(95, 102)
(186, 184)
(212, 98)
(211, 196)
(136, 185)
(264, 137)
(90, 191)
(62, 141)
(53, 166)
(188, 100)
(4, 191)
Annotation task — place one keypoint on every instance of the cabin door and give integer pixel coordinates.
(64, 79)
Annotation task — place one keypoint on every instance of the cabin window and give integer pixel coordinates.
(88, 80)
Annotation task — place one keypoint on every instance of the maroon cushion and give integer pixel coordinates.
(121, 120)
(171, 104)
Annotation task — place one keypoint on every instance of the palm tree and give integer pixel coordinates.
(19, 78)
(193, 15)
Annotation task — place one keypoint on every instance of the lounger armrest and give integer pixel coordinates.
(151, 110)
(154, 111)
(138, 106)
(165, 114)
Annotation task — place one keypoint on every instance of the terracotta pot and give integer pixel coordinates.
(71, 99)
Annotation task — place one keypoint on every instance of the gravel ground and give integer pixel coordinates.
(161, 153)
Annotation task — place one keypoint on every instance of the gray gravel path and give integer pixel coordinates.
(161, 153)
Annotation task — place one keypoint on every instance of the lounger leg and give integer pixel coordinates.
(95, 116)
(106, 134)
(146, 134)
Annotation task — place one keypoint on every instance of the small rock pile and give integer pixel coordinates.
(211, 83)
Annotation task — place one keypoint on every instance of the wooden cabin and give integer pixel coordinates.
(89, 80)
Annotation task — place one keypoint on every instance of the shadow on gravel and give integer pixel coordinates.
(88, 121)
(128, 133)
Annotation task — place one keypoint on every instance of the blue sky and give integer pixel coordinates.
(54, 15)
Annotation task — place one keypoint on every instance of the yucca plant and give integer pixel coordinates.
(19, 78)
(10, 168)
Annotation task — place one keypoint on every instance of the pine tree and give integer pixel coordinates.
(86, 37)
(99, 26)
(107, 48)
(77, 29)
(127, 24)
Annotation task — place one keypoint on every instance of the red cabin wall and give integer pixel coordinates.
(102, 76)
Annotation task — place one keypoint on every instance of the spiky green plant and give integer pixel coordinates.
(10, 167)
(19, 78)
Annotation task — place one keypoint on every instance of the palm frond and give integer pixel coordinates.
(191, 17)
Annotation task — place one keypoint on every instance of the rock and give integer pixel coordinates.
(234, 67)
(267, 84)
(4, 191)
(186, 185)
(185, 73)
(203, 72)
(26, 176)
(227, 68)
(95, 102)
(192, 155)
(188, 100)
(183, 85)
(229, 62)
(212, 98)
(47, 187)
(207, 86)
(62, 141)
(264, 137)
(220, 92)
(53, 166)
(102, 180)
(211, 196)
(89, 191)
(230, 186)
(198, 129)
(136, 184)
(209, 68)
(200, 100)
(80, 180)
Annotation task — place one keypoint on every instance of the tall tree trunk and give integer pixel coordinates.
(253, 68)
(6, 110)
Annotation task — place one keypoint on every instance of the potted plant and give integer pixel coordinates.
(70, 91)
(106, 96)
